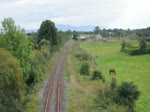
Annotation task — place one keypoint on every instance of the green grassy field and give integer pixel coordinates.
(128, 68)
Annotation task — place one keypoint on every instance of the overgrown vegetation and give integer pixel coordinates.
(23, 63)
(127, 93)
(84, 70)
(79, 101)
(129, 49)
(83, 56)
(12, 87)
(98, 75)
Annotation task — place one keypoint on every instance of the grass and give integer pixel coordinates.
(128, 68)
(81, 90)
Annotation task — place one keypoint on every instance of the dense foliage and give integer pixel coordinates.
(128, 48)
(23, 61)
(127, 93)
(121, 98)
(49, 32)
(142, 43)
(97, 75)
(136, 51)
(75, 35)
(16, 42)
(12, 87)
(145, 32)
(83, 56)
(123, 44)
(84, 70)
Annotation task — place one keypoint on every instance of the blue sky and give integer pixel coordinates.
(109, 13)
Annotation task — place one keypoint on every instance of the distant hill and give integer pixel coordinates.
(77, 28)
(30, 31)
(69, 27)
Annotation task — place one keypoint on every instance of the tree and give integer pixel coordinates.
(16, 42)
(49, 32)
(127, 93)
(123, 44)
(69, 32)
(38, 67)
(75, 35)
(62, 37)
(9, 27)
(12, 87)
(142, 43)
(97, 30)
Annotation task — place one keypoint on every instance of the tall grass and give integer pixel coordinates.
(81, 90)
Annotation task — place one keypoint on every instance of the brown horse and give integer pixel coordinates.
(112, 71)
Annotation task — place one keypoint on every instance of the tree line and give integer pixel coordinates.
(144, 32)
(23, 59)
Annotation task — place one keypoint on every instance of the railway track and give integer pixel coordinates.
(54, 95)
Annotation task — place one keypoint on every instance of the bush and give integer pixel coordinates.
(147, 39)
(142, 43)
(98, 75)
(113, 83)
(105, 100)
(136, 51)
(129, 45)
(127, 93)
(12, 86)
(39, 62)
(148, 51)
(83, 56)
(123, 44)
(84, 70)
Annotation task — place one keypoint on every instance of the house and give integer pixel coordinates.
(82, 38)
(98, 37)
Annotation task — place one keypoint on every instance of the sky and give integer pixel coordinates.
(29, 14)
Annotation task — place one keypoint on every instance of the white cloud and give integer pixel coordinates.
(110, 13)
(136, 15)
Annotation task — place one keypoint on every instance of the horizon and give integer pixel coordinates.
(101, 27)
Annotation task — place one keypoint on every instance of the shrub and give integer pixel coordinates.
(127, 93)
(12, 86)
(113, 83)
(147, 39)
(105, 102)
(98, 75)
(84, 70)
(129, 45)
(39, 62)
(123, 44)
(83, 56)
(137, 51)
(148, 51)
(142, 43)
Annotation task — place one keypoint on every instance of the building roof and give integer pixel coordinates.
(99, 36)
(82, 37)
